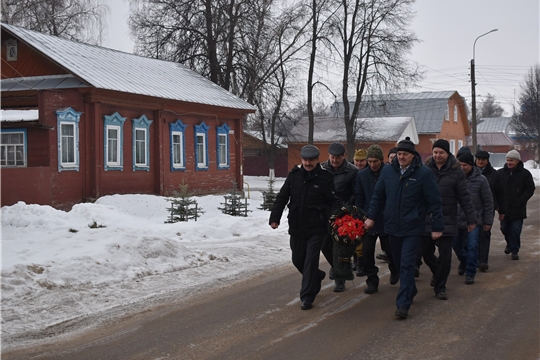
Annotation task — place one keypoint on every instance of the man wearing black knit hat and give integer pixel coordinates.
(499, 204)
(453, 188)
(405, 193)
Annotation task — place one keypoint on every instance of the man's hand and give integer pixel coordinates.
(368, 224)
(436, 235)
(501, 217)
(487, 227)
(274, 225)
(471, 227)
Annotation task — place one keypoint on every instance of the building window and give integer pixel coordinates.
(141, 143)
(460, 144)
(446, 114)
(13, 148)
(12, 53)
(222, 142)
(68, 139)
(201, 146)
(114, 141)
(455, 113)
(178, 153)
(453, 146)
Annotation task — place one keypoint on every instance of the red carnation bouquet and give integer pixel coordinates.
(346, 228)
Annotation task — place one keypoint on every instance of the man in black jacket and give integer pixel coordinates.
(519, 186)
(308, 192)
(344, 174)
(499, 203)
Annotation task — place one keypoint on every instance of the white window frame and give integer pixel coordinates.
(141, 124)
(447, 113)
(116, 122)
(455, 113)
(460, 144)
(68, 117)
(201, 146)
(16, 148)
(453, 146)
(222, 147)
(12, 51)
(178, 150)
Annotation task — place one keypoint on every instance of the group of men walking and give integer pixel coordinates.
(412, 207)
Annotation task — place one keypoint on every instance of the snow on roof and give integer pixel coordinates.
(492, 125)
(119, 71)
(19, 115)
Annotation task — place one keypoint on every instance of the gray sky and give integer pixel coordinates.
(447, 30)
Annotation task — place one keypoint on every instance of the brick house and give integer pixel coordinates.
(255, 162)
(82, 121)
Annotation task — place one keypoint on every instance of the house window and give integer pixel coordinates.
(460, 144)
(178, 153)
(141, 143)
(12, 50)
(13, 148)
(455, 113)
(222, 142)
(446, 114)
(201, 146)
(114, 141)
(453, 146)
(68, 139)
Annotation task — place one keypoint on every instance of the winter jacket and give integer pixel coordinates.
(344, 179)
(453, 187)
(496, 186)
(406, 199)
(363, 192)
(311, 199)
(519, 186)
(481, 197)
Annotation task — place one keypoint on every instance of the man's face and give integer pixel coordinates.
(466, 168)
(309, 164)
(440, 156)
(481, 163)
(512, 163)
(336, 160)
(405, 158)
(391, 157)
(374, 164)
(360, 164)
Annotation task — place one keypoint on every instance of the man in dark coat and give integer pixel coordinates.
(499, 204)
(519, 186)
(453, 188)
(364, 188)
(344, 174)
(405, 192)
(308, 192)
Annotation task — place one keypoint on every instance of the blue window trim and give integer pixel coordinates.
(202, 128)
(116, 120)
(142, 123)
(25, 146)
(180, 127)
(220, 130)
(68, 115)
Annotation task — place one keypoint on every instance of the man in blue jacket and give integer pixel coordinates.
(405, 192)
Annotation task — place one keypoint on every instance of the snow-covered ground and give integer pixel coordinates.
(59, 275)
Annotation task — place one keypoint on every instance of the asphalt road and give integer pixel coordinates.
(260, 318)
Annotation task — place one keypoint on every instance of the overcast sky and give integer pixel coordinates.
(448, 30)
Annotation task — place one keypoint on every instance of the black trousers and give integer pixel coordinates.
(368, 257)
(305, 257)
(327, 249)
(440, 266)
(483, 246)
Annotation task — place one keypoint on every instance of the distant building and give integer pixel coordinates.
(255, 162)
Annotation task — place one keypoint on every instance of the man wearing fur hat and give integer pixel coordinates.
(308, 191)
(344, 174)
(519, 186)
(365, 186)
(453, 188)
(499, 204)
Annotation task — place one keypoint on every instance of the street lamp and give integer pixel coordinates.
(473, 86)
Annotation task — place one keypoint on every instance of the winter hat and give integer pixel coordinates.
(406, 145)
(392, 151)
(375, 151)
(442, 144)
(467, 158)
(336, 149)
(462, 150)
(309, 152)
(481, 154)
(513, 154)
(360, 154)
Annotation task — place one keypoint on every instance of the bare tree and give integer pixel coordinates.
(81, 20)
(527, 122)
(374, 39)
(490, 108)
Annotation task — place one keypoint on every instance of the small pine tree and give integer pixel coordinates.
(269, 196)
(183, 207)
(235, 204)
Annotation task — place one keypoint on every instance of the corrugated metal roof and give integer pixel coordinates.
(491, 125)
(115, 70)
(492, 139)
(42, 83)
(427, 108)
